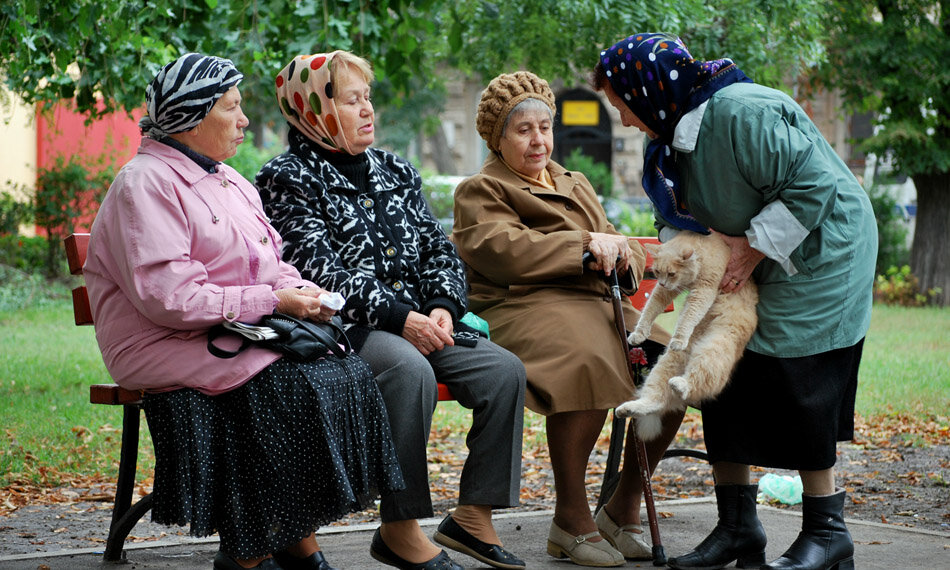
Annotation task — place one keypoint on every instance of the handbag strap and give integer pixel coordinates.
(325, 337)
(215, 332)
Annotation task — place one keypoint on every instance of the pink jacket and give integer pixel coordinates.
(173, 251)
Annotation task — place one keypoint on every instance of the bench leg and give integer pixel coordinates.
(124, 515)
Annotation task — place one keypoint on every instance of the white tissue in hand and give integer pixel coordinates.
(332, 300)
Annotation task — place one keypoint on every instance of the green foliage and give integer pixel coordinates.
(598, 173)
(890, 58)
(900, 287)
(439, 192)
(81, 49)
(69, 190)
(13, 213)
(27, 254)
(769, 40)
(891, 232)
(250, 158)
(630, 220)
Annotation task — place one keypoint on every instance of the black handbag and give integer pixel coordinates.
(298, 339)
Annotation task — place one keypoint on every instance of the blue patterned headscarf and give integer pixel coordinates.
(660, 81)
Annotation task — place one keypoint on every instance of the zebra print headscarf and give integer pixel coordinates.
(184, 91)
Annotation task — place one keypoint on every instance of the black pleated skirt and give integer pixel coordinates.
(786, 413)
(296, 447)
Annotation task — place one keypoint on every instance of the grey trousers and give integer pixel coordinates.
(486, 379)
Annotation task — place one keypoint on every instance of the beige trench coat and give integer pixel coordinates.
(523, 246)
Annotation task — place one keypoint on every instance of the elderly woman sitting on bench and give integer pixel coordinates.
(522, 226)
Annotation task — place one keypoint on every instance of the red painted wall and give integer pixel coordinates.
(63, 132)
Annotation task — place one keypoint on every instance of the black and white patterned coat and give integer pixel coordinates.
(381, 249)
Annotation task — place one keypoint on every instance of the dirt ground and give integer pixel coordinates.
(897, 474)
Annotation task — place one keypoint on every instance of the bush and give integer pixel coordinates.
(27, 254)
(23, 289)
(900, 287)
(68, 193)
(597, 173)
(891, 233)
(13, 213)
(629, 220)
(249, 158)
(439, 193)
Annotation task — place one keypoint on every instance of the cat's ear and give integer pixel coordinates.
(653, 248)
(686, 253)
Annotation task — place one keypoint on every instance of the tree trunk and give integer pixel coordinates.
(930, 252)
(441, 153)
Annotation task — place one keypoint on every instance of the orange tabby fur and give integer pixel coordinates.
(710, 335)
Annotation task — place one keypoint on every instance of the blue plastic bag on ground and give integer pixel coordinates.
(783, 488)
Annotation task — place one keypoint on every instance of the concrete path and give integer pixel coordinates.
(877, 546)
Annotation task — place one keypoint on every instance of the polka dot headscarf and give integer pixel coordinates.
(305, 96)
(659, 81)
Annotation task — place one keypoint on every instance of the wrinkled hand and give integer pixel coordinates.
(742, 261)
(610, 251)
(429, 334)
(303, 303)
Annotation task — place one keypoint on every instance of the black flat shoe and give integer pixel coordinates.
(452, 535)
(224, 562)
(315, 561)
(381, 552)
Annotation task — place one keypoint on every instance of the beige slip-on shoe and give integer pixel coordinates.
(580, 550)
(624, 538)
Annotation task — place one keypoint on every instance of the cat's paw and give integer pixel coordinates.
(678, 343)
(636, 408)
(680, 386)
(637, 336)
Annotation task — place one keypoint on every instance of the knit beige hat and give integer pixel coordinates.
(501, 96)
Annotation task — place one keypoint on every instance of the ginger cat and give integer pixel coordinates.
(710, 335)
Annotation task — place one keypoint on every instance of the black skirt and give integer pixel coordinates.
(786, 413)
(296, 447)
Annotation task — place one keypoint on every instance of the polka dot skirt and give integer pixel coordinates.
(298, 446)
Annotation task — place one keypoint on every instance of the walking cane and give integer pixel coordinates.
(659, 555)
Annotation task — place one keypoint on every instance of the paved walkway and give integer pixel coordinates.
(877, 546)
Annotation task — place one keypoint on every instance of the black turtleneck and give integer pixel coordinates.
(209, 165)
(354, 168)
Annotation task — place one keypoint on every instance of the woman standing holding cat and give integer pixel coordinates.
(747, 162)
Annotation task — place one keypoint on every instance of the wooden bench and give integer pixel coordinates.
(125, 514)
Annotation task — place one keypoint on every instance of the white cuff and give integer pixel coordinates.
(776, 233)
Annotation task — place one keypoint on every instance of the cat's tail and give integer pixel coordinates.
(649, 426)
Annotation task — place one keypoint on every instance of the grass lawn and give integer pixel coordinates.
(51, 433)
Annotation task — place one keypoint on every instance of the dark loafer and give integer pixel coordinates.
(315, 561)
(381, 552)
(452, 535)
(224, 562)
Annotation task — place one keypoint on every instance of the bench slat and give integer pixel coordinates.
(113, 395)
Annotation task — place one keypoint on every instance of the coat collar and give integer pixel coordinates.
(175, 159)
(564, 181)
(380, 178)
(687, 130)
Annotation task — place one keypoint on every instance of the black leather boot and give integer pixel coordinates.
(824, 542)
(738, 535)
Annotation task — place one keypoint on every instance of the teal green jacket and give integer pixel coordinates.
(752, 163)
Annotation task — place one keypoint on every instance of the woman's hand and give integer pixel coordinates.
(610, 251)
(742, 261)
(429, 334)
(304, 304)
